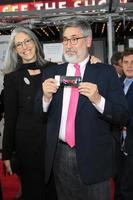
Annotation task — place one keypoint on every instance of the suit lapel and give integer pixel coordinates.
(62, 69)
(130, 89)
(59, 95)
(89, 76)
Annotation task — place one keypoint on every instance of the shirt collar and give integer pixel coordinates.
(84, 62)
(129, 79)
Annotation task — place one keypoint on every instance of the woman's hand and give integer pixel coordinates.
(95, 60)
(7, 166)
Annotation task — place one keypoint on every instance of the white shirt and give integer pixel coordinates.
(127, 83)
(66, 97)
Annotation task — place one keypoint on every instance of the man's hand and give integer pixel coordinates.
(90, 90)
(49, 87)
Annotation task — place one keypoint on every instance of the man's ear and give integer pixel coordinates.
(89, 41)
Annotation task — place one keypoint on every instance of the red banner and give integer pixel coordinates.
(47, 5)
(51, 4)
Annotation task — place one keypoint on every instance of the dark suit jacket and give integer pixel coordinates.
(93, 129)
(129, 138)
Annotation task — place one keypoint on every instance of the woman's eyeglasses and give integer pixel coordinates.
(26, 42)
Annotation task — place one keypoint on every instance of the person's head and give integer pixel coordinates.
(77, 39)
(116, 61)
(128, 62)
(24, 47)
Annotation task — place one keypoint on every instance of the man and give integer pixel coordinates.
(81, 155)
(116, 61)
(126, 192)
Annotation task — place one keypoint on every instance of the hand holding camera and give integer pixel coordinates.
(65, 81)
(49, 87)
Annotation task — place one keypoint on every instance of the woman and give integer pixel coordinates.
(1, 105)
(23, 131)
(1, 116)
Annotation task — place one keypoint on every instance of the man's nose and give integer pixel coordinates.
(130, 64)
(69, 44)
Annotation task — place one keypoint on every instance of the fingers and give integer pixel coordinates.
(49, 87)
(7, 167)
(95, 60)
(90, 90)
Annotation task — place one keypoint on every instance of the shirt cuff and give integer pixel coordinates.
(100, 106)
(45, 105)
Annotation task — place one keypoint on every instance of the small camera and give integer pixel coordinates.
(68, 80)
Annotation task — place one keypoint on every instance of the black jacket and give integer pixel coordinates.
(1, 105)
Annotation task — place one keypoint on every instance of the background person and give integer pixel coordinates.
(82, 164)
(116, 61)
(126, 176)
(23, 128)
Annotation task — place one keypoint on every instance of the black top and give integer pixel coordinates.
(24, 129)
(1, 105)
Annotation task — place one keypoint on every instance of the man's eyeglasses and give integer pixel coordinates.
(26, 42)
(73, 40)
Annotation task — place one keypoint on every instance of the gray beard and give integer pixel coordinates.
(70, 59)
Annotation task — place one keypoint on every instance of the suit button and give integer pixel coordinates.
(29, 97)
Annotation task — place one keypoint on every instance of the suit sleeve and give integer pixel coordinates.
(49, 72)
(116, 108)
(10, 115)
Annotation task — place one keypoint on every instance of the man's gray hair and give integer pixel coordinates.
(81, 23)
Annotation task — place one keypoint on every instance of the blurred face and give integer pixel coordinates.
(25, 47)
(119, 67)
(75, 45)
(128, 66)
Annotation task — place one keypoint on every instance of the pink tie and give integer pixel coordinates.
(70, 123)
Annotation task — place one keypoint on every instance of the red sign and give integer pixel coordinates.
(50, 4)
(47, 5)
